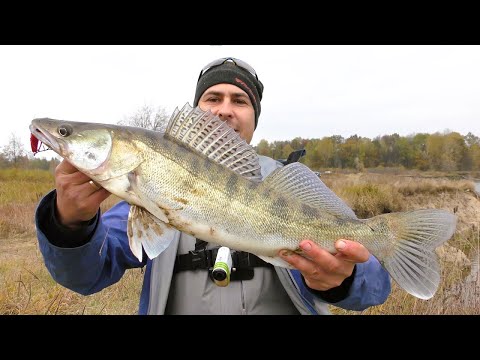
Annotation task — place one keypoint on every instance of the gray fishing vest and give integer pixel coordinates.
(271, 291)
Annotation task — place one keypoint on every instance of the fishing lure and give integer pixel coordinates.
(36, 145)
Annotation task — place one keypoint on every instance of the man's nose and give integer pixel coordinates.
(225, 110)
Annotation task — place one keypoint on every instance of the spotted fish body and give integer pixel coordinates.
(200, 177)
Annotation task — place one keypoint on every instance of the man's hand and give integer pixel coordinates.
(77, 200)
(322, 270)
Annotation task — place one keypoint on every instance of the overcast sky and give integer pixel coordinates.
(310, 91)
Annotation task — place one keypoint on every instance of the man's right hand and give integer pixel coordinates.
(77, 200)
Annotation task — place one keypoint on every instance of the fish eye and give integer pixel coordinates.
(65, 130)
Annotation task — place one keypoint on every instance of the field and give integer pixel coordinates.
(27, 288)
(375, 193)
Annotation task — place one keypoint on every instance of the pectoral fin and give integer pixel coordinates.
(147, 231)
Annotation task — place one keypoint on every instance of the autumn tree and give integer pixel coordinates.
(473, 146)
(420, 155)
(471, 139)
(434, 148)
(389, 153)
(287, 150)
(277, 149)
(263, 148)
(371, 149)
(298, 143)
(406, 152)
(474, 154)
(326, 151)
(350, 153)
(454, 156)
(312, 158)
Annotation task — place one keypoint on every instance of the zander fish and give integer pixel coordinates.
(200, 177)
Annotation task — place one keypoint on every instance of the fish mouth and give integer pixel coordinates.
(46, 138)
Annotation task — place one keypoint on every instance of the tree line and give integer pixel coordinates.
(448, 151)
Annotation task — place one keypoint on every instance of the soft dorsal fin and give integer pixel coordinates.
(208, 134)
(298, 181)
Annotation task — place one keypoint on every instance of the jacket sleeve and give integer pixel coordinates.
(370, 286)
(98, 262)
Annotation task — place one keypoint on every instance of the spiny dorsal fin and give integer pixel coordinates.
(206, 133)
(298, 181)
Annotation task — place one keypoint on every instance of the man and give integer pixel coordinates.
(87, 252)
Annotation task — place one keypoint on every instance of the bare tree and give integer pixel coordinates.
(148, 117)
(3, 161)
(14, 150)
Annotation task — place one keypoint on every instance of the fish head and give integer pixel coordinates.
(101, 151)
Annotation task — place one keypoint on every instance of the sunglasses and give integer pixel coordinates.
(240, 63)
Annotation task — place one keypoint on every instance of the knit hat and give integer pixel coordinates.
(230, 72)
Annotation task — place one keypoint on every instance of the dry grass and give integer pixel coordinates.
(26, 287)
(20, 191)
(374, 194)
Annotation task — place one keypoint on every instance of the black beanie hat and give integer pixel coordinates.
(230, 73)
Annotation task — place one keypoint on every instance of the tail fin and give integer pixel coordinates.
(411, 260)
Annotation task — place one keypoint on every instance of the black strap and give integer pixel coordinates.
(205, 259)
(200, 244)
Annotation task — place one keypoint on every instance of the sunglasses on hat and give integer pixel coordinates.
(240, 63)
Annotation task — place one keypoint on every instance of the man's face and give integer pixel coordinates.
(231, 104)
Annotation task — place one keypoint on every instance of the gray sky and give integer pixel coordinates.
(310, 91)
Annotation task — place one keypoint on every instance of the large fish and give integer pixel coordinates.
(200, 177)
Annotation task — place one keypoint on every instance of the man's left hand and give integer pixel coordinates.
(322, 270)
